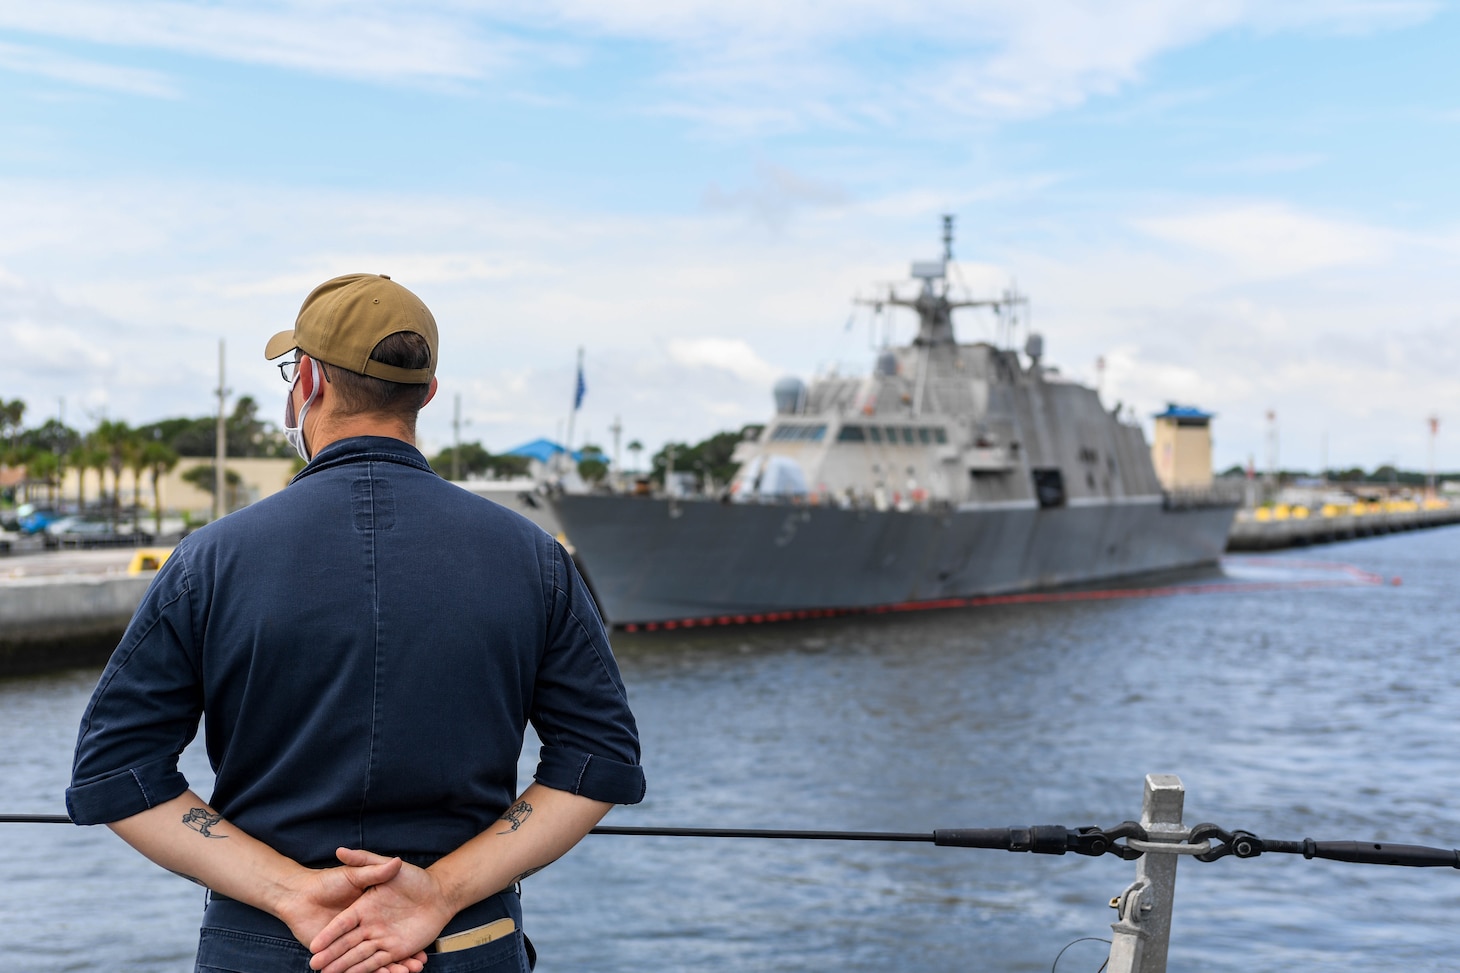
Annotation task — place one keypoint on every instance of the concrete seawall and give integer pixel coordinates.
(1251, 534)
(65, 608)
(50, 623)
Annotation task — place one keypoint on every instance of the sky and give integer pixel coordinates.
(1249, 207)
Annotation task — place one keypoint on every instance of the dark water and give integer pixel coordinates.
(1292, 712)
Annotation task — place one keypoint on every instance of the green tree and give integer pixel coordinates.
(82, 458)
(470, 460)
(205, 477)
(158, 458)
(592, 465)
(115, 439)
(709, 460)
(248, 435)
(53, 436)
(505, 466)
(244, 432)
(46, 467)
(12, 414)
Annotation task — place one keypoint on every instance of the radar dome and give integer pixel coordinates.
(1034, 348)
(790, 395)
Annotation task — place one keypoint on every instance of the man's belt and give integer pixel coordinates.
(476, 936)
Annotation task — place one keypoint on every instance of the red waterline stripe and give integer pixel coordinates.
(1353, 576)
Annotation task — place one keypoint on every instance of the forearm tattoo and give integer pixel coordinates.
(201, 820)
(516, 816)
(530, 871)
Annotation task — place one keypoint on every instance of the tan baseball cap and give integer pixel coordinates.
(342, 320)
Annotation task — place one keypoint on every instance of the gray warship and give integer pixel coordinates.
(951, 472)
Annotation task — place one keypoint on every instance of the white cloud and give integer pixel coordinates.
(775, 194)
(1271, 239)
(55, 350)
(1264, 164)
(732, 355)
(384, 42)
(84, 73)
(687, 321)
(754, 66)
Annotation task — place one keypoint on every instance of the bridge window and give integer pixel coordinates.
(796, 431)
(851, 434)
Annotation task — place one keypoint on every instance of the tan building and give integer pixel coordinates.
(257, 478)
(1181, 448)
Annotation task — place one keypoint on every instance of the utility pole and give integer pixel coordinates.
(617, 479)
(1434, 434)
(221, 445)
(456, 442)
(1272, 454)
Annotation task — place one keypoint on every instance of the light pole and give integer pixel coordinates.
(221, 444)
(1434, 422)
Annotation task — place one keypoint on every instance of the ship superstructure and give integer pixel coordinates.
(950, 470)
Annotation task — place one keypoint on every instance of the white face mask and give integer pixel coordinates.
(294, 431)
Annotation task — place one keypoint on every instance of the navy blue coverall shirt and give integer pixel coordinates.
(369, 645)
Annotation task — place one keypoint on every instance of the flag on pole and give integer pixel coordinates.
(580, 389)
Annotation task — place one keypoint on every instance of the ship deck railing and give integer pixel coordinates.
(1141, 935)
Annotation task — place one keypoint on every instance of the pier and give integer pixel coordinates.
(1282, 525)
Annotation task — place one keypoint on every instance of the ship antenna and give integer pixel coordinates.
(947, 237)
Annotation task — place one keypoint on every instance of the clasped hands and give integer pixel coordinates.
(370, 913)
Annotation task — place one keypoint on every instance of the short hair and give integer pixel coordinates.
(362, 395)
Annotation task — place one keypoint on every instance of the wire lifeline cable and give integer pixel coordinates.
(1039, 839)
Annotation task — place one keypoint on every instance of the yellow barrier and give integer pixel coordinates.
(148, 559)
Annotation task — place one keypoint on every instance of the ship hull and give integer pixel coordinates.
(657, 560)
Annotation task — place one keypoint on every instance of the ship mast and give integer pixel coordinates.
(934, 308)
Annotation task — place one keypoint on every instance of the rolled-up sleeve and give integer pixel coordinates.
(143, 713)
(580, 708)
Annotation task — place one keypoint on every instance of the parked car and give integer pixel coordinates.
(33, 519)
(85, 532)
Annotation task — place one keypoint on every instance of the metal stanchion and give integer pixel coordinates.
(1142, 934)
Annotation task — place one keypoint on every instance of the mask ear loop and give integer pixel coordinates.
(310, 386)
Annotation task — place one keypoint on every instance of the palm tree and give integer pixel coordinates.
(113, 439)
(635, 447)
(98, 459)
(12, 413)
(45, 466)
(62, 464)
(85, 457)
(160, 458)
(137, 463)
